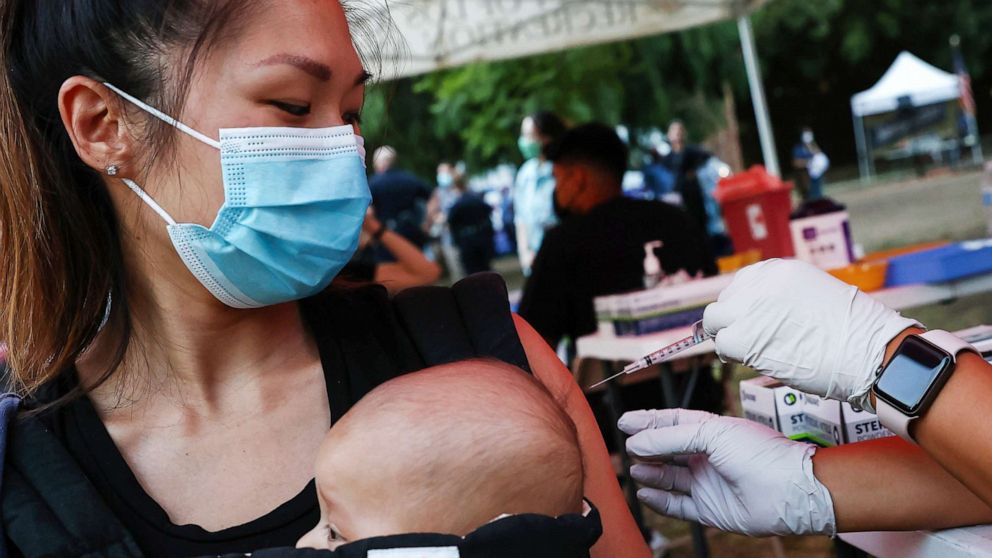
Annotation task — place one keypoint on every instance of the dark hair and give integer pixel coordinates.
(595, 145)
(548, 124)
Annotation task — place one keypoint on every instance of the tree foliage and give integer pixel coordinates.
(814, 56)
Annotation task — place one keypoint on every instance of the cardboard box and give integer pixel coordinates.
(860, 426)
(824, 421)
(768, 402)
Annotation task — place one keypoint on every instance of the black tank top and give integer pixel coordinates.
(364, 339)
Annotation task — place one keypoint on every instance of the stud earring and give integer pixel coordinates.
(112, 170)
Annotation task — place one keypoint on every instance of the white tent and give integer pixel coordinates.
(438, 34)
(907, 79)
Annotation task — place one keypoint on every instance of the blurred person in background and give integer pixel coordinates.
(399, 198)
(436, 225)
(810, 164)
(533, 190)
(683, 161)
(471, 227)
(409, 266)
(598, 249)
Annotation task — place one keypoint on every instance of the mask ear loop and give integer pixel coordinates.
(149, 201)
(165, 117)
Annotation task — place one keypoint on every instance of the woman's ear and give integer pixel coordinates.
(92, 116)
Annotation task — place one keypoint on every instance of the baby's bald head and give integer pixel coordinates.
(448, 449)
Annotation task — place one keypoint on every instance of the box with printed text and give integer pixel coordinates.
(777, 406)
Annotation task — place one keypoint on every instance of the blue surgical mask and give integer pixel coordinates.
(294, 203)
(444, 180)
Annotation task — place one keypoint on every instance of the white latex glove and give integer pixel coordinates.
(728, 473)
(796, 323)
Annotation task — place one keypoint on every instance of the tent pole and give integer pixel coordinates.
(859, 139)
(758, 96)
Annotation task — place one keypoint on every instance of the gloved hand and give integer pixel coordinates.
(728, 473)
(793, 322)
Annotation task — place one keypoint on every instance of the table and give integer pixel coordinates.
(608, 347)
(610, 350)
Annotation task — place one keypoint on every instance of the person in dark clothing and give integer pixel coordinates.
(683, 162)
(471, 226)
(599, 247)
(399, 198)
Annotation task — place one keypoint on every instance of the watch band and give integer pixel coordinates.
(893, 418)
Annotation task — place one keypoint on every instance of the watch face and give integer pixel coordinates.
(912, 374)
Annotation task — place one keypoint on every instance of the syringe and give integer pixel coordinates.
(664, 354)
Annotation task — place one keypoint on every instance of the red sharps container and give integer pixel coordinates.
(756, 207)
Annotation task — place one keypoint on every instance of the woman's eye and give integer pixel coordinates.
(295, 110)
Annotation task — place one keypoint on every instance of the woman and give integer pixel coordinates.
(797, 324)
(534, 187)
(205, 389)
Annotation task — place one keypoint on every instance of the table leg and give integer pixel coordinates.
(690, 386)
(614, 404)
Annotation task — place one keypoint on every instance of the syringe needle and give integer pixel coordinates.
(617, 375)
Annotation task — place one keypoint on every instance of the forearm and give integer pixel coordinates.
(951, 431)
(410, 258)
(890, 484)
(957, 431)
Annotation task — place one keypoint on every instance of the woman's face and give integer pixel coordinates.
(291, 64)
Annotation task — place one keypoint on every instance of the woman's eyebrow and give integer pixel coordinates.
(316, 69)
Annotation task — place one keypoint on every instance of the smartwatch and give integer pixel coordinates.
(912, 379)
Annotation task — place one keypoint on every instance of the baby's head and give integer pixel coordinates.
(446, 450)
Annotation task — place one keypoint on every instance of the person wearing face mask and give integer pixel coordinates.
(436, 224)
(810, 164)
(533, 189)
(181, 188)
(598, 249)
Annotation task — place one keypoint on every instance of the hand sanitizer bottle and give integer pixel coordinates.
(653, 274)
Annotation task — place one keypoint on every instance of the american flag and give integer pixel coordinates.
(967, 99)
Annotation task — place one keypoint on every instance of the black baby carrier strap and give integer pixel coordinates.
(472, 319)
(49, 506)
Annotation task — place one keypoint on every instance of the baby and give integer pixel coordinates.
(446, 450)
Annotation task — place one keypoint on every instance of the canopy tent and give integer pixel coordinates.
(909, 82)
(907, 78)
(437, 34)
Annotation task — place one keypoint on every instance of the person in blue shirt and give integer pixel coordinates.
(810, 164)
(533, 191)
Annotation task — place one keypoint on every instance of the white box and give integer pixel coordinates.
(824, 422)
(823, 240)
(860, 426)
(766, 401)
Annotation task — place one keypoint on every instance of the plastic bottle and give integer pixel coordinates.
(653, 274)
